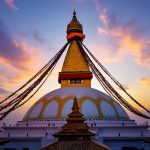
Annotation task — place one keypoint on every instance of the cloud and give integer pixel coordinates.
(12, 74)
(11, 4)
(98, 6)
(3, 91)
(34, 33)
(145, 81)
(102, 31)
(37, 36)
(144, 57)
(10, 51)
(106, 52)
(127, 36)
(17, 58)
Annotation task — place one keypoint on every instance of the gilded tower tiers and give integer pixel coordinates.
(75, 70)
(74, 61)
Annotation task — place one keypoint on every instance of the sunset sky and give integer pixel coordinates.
(33, 31)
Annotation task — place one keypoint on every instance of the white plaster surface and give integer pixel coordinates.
(88, 107)
(51, 110)
(107, 109)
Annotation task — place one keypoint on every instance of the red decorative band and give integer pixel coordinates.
(68, 76)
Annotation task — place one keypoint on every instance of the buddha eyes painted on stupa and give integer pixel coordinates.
(75, 81)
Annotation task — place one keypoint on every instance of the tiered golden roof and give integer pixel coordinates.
(74, 61)
(75, 125)
(74, 25)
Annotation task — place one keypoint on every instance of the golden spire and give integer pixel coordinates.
(74, 13)
(74, 61)
(75, 70)
(75, 107)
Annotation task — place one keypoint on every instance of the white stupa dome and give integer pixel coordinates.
(92, 103)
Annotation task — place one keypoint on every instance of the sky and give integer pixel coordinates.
(33, 31)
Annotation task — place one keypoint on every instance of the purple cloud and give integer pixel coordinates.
(33, 33)
(144, 58)
(3, 91)
(37, 36)
(9, 51)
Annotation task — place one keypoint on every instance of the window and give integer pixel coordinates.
(46, 134)
(8, 134)
(75, 81)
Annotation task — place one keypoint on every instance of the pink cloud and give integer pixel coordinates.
(105, 52)
(102, 31)
(11, 4)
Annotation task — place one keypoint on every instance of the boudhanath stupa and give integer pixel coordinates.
(104, 115)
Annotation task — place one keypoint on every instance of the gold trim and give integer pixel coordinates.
(62, 102)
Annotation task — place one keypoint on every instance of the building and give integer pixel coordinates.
(75, 134)
(105, 117)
